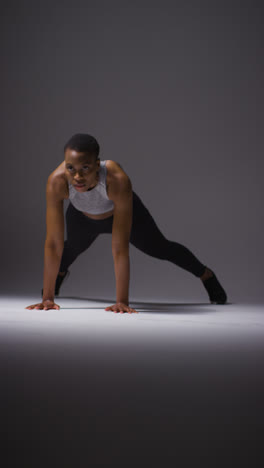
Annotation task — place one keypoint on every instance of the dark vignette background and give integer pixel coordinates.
(171, 90)
(174, 92)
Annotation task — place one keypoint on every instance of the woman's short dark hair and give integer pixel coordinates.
(83, 143)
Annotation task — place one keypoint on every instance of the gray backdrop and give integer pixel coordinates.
(173, 91)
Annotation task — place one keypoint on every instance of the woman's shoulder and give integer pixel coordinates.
(114, 169)
(116, 176)
(57, 181)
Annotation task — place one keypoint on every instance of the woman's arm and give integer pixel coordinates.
(120, 191)
(120, 238)
(54, 243)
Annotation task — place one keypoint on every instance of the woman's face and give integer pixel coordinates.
(81, 169)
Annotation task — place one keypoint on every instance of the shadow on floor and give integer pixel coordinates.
(154, 307)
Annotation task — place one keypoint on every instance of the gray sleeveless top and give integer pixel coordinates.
(94, 201)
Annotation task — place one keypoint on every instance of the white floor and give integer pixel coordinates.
(155, 320)
(175, 380)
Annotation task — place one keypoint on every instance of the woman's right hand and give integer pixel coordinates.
(44, 305)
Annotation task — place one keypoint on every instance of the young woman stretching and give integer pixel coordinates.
(102, 201)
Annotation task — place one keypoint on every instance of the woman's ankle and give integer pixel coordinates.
(207, 274)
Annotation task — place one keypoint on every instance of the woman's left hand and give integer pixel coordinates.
(121, 307)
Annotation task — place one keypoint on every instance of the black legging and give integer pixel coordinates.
(145, 236)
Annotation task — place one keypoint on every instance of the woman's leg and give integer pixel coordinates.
(146, 236)
(81, 233)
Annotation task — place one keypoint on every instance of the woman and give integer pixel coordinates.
(102, 201)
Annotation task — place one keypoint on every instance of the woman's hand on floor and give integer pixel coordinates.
(45, 305)
(121, 307)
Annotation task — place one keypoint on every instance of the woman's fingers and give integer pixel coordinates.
(117, 308)
(44, 306)
(33, 306)
(121, 308)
